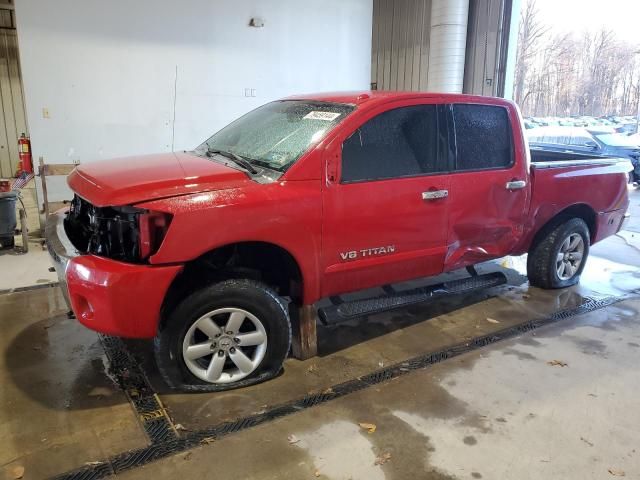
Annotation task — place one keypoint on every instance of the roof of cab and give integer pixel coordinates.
(380, 96)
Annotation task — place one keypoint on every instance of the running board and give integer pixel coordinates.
(343, 311)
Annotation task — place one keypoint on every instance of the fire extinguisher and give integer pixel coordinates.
(24, 152)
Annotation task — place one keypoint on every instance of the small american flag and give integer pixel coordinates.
(21, 181)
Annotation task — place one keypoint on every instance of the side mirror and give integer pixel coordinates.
(332, 161)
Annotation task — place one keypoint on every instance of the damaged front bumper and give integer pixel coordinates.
(60, 249)
(108, 296)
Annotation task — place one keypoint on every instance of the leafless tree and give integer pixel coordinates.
(562, 74)
(530, 37)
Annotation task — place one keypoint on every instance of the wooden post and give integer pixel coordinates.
(24, 230)
(303, 323)
(45, 199)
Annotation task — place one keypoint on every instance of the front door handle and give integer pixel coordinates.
(516, 185)
(435, 194)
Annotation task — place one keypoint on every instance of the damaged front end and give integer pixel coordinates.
(126, 233)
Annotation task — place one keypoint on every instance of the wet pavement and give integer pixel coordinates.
(58, 408)
(511, 411)
(501, 411)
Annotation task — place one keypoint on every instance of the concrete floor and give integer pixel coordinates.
(501, 411)
(22, 270)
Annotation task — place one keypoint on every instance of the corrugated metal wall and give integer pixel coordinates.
(400, 44)
(12, 116)
(487, 39)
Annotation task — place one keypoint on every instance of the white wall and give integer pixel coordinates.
(106, 71)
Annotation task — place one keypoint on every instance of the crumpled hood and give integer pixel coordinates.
(129, 180)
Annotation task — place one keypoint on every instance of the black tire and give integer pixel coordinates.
(7, 242)
(249, 295)
(541, 262)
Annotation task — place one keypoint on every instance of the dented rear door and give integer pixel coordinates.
(489, 190)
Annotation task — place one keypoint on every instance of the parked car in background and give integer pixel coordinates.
(599, 140)
(627, 127)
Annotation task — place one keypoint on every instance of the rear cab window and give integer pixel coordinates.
(483, 137)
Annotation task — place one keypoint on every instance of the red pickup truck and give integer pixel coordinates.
(211, 251)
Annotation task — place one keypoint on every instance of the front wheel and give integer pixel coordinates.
(557, 259)
(231, 334)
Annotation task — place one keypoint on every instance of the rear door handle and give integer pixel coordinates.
(435, 194)
(516, 185)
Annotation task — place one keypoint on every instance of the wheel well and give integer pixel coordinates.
(585, 212)
(265, 262)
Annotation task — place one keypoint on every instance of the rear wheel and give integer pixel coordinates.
(557, 259)
(7, 242)
(228, 335)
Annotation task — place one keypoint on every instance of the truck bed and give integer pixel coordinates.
(561, 180)
(546, 154)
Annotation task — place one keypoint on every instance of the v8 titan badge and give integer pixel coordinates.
(367, 252)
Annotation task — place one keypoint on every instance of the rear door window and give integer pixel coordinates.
(483, 137)
(402, 142)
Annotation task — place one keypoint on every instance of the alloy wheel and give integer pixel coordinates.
(224, 345)
(570, 256)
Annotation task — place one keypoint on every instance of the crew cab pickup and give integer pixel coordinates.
(218, 252)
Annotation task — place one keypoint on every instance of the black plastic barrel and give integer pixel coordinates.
(7, 218)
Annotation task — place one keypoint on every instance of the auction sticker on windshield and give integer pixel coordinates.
(328, 116)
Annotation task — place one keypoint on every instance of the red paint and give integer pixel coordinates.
(129, 180)
(116, 298)
(315, 218)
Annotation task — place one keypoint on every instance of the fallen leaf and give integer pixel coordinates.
(369, 427)
(207, 440)
(92, 464)
(617, 473)
(312, 368)
(328, 390)
(316, 473)
(526, 296)
(382, 459)
(491, 320)
(292, 439)
(557, 363)
(586, 441)
(17, 472)
(187, 456)
(100, 392)
(179, 426)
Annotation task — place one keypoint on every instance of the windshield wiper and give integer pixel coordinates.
(235, 158)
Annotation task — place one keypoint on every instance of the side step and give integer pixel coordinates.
(341, 312)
